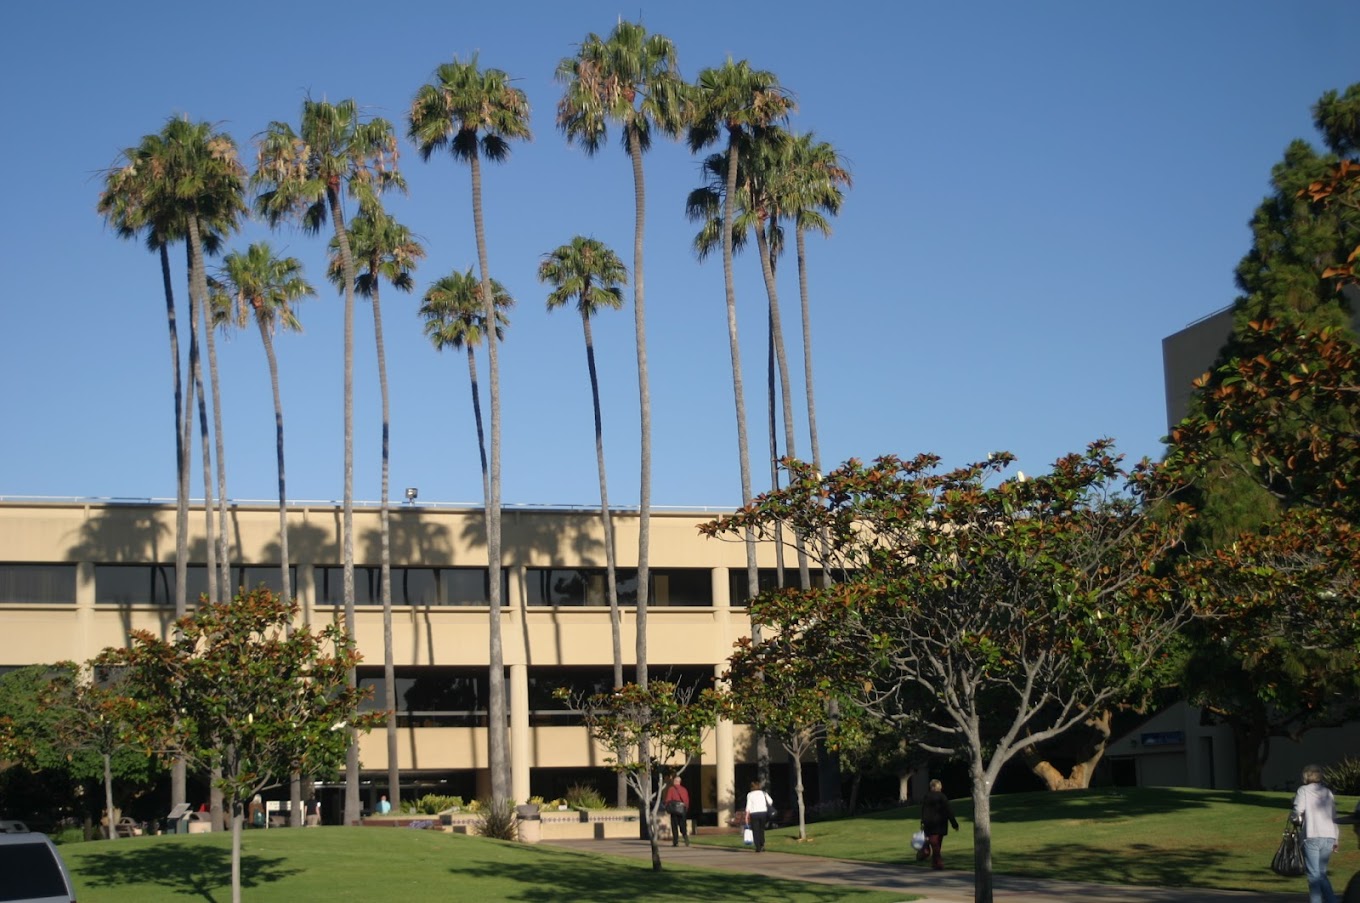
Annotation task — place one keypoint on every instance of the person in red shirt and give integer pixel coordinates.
(676, 802)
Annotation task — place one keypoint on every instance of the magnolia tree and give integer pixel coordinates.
(666, 722)
(243, 690)
(981, 615)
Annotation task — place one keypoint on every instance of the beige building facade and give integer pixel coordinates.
(76, 577)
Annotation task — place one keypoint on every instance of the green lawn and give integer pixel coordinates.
(1160, 836)
(393, 864)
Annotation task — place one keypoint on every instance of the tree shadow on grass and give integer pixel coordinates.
(568, 876)
(1138, 864)
(196, 871)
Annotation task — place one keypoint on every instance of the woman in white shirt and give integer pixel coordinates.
(758, 807)
(1315, 810)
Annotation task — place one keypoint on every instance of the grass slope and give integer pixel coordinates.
(368, 864)
(1166, 837)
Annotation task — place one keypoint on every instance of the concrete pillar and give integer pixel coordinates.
(520, 742)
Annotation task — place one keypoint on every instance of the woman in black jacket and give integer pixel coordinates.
(936, 817)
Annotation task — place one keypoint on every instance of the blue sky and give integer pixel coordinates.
(1043, 191)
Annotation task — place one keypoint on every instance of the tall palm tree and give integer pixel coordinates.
(739, 101)
(810, 191)
(455, 318)
(302, 175)
(475, 113)
(386, 250)
(587, 270)
(631, 78)
(265, 287)
(183, 183)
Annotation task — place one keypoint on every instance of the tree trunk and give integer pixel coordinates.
(477, 416)
(743, 447)
(389, 667)
(178, 774)
(1251, 737)
(982, 837)
(644, 407)
(1080, 776)
(236, 820)
(285, 577)
(196, 304)
(108, 795)
(352, 801)
(497, 753)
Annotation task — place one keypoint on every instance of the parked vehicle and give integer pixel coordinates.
(31, 870)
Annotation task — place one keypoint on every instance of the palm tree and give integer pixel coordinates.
(741, 101)
(301, 175)
(386, 250)
(631, 78)
(263, 286)
(455, 318)
(184, 183)
(590, 272)
(474, 113)
(810, 192)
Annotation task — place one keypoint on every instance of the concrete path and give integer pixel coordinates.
(936, 887)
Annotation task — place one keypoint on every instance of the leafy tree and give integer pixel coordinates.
(631, 78)
(241, 689)
(303, 175)
(980, 617)
(455, 318)
(666, 722)
(473, 113)
(53, 719)
(386, 250)
(587, 270)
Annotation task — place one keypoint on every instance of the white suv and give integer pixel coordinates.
(31, 870)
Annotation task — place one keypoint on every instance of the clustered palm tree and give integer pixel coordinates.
(186, 183)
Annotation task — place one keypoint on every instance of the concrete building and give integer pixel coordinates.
(77, 576)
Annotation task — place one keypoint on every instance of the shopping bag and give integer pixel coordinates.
(748, 837)
(918, 840)
(1288, 861)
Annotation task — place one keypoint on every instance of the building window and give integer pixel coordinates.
(38, 583)
(154, 584)
(587, 586)
(769, 579)
(431, 696)
(545, 710)
(410, 586)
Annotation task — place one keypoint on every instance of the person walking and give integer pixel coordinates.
(759, 805)
(1315, 810)
(676, 801)
(936, 817)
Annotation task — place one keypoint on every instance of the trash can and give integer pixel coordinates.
(530, 823)
(177, 822)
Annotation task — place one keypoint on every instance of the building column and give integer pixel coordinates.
(722, 733)
(520, 742)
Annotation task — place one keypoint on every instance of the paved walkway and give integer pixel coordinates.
(936, 887)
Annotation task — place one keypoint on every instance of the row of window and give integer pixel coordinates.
(428, 696)
(154, 584)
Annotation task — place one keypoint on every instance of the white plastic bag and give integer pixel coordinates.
(918, 840)
(748, 837)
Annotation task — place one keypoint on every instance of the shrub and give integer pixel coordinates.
(496, 820)
(433, 804)
(582, 796)
(1343, 775)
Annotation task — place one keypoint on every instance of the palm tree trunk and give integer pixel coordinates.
(644, 408)
(196, 303)
(497, 753)
(477, 417)
(219, 444)
(178, 788)
(743, 449)
(610, 575)
(352, 801)
(786, 389)
(285, 576)
(389, 668)
(770, 389)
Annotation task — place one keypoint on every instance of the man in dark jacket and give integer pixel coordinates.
(936, 817)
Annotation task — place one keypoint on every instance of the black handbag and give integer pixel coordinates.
(1288, 861)
(676, 807)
